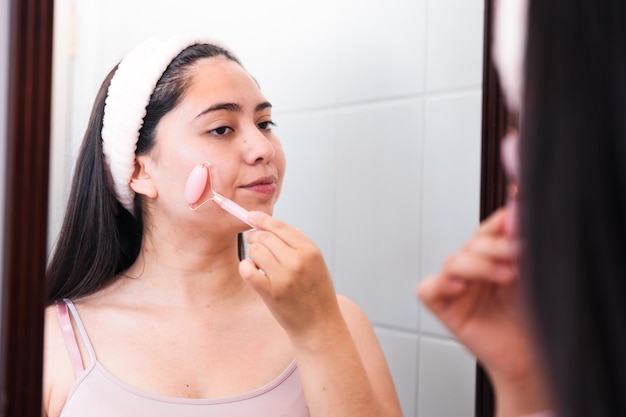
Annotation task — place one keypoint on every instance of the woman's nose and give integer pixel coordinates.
(258, 147)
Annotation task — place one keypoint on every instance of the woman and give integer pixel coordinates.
(572, 229)
(155, 310)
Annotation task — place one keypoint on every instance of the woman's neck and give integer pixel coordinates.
(194, 272)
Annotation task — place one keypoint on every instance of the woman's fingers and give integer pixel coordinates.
(494, 224)
(265, 246)
(271, 254)
(468, 266)
(250, 272)
(462, 270)
(284, 254)
(278, 246)
(289, 273)
(262, 221)
(489, 257)
(437, 287)
(498, 248)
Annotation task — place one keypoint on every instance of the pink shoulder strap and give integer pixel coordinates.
(70, 337)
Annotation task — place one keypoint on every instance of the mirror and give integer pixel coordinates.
(355, 85)
(367, 96)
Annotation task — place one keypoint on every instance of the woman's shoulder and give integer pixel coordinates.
(348, 305)
(354, 316)
(54, 343)
(58, 377)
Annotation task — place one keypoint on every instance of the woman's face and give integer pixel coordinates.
(224, 119)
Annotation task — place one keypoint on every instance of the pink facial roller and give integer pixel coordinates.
(196, 187)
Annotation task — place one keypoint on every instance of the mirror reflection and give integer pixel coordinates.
(377, 106)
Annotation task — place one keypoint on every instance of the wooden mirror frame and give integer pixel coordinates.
(26, 203)
(495, 122)
(26, 206)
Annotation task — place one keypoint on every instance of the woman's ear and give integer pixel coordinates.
(141, 181)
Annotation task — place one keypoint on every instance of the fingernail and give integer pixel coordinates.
(253, 216)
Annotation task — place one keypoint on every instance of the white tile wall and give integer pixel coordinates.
(455, 40)
(450, 205)
(59, 151)
(445, 372)
(308, 197)
(378, 107)
(378, 201)
(382, 46)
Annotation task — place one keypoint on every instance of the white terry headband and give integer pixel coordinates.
(509, 48)
(125, 105)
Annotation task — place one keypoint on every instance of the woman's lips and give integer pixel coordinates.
(265, 185)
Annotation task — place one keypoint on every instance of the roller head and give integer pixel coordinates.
(196, 184)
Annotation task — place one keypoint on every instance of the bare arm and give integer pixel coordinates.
(343, 370)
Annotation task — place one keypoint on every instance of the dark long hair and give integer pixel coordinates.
(99, 238)
(573, 198)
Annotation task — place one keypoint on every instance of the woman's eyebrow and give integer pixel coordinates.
(233, 107)
(262, 106)
(220, 106)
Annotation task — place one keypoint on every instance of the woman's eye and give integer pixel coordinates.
(220, 131)
(266, 125)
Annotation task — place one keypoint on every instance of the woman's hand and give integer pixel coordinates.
(477, 296)
(342, 366)
(289, 272)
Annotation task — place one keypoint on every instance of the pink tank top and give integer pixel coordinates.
(98, 393)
